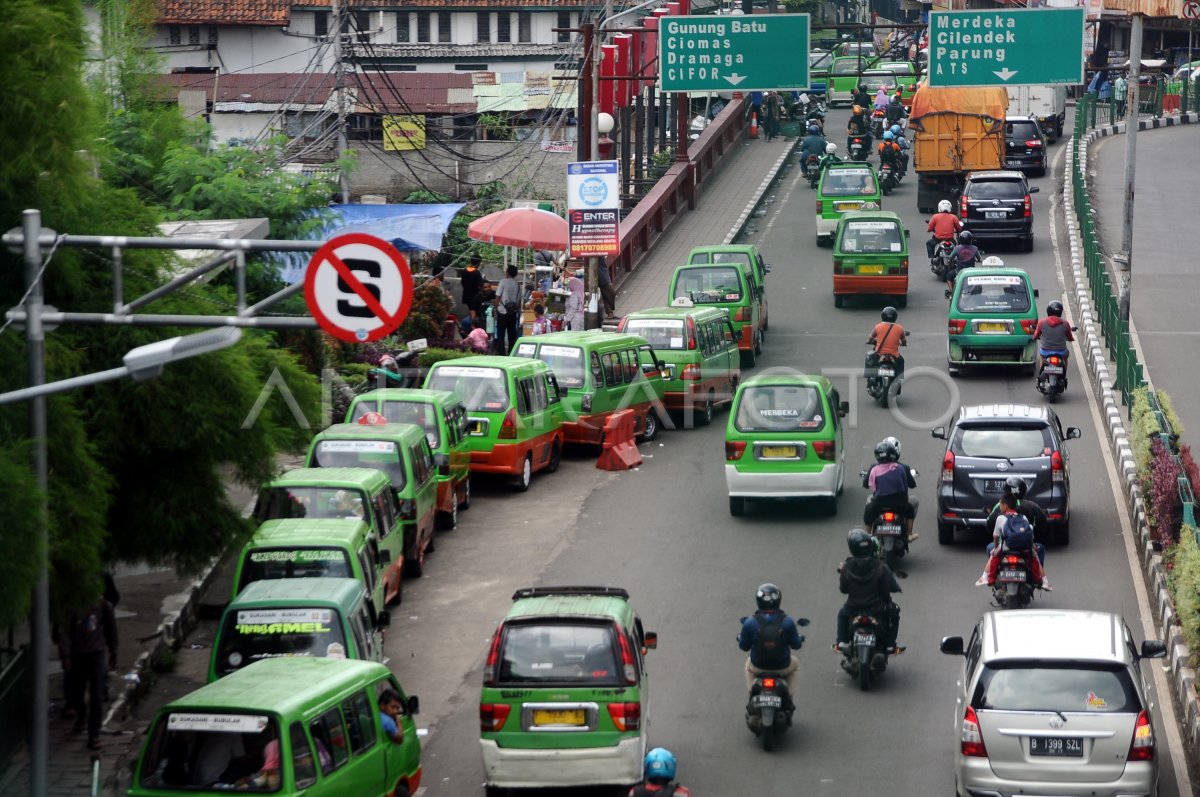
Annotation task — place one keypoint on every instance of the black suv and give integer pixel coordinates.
(988, 443)
(1024, 145)
(997, 205)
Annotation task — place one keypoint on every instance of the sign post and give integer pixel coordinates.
(593, 209)
(358, 288)
(763, 52)
(1006, 47)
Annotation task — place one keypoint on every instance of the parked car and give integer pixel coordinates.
(1024, 145)
(988, 443)
(1053, 702)
(997, 205)
(730, 287)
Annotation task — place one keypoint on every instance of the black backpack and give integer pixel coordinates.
(641, 791)
(770, 648)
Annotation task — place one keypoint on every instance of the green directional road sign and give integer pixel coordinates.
(733, 53)
(1009, 47)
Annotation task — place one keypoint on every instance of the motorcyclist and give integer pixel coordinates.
(944, 225)
(1053, 333)
(813, 144)
(659, 774)
(889, 151)
(1001, 542)
(868, 585)
(767, 634)
(1015, 487)
(861, 97)
(881, 99)
(889, 482)
(830, 155)
(965, 255)
(887, 337)
(857, 126)
(902, 142)
(895, 110)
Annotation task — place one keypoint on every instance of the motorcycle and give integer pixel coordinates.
(888, 178)
(888, 531)
(1014, 581)
(857, 147)
(864, 658)
(879, 384)
(769, 708)
(812, 170)
(879, 122)
(943, 259)
(398, 369)
(1052, 377)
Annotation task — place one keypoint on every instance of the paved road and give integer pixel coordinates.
(1165, 278)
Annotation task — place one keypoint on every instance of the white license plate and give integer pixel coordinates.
(864, 639)
(996, 214)
(887, 530)
(768, 701)
(883, 371)
(1013, 575)
(1053, 369)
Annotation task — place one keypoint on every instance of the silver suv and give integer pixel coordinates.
(1053, 702)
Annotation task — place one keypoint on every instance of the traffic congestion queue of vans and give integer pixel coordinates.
(299, 697)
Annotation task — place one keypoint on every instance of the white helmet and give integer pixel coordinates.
(830, 148)
(945, 207)
(993, 262)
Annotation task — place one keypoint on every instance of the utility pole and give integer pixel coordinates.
(1124, 259)
(338, 27)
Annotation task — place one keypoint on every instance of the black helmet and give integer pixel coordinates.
(1054, 308)
(965, 237)
(860, 543)
(886, 452)
(894, 443)
(768, 596)
(1014, 487)
(889, 314)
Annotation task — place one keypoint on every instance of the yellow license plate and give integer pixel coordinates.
(847, 205)
(572, 716)
(773, 452)
(870, 269)
(992, 327)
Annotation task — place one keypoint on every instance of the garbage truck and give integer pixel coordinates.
(955, 131)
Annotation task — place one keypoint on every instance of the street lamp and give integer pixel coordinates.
(604, 145)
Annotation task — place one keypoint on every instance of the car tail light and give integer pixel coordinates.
(1028, 325)
(962, 206)
(948, 467)
(1054, 359)
(734, 449)
(768, 683)
(904, 265)
(889, 517)
(972, 738)
(1055, 516)
(626, 716)
(508, 429)
(493, 658)
(837, 265)
(690, 372)
(585, 402)
(743, 314)
(1033, 143)
(408, 509)
(1028, 206)
(492, 716)
(691, 333)
(956, 326)
(627, 663)
(820, 206)
(1056, 466)
(1142, 746)
(826, 449)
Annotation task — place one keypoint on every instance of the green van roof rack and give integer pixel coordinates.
(542, 592)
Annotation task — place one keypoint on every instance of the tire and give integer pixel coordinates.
(758, 343)
(446, 521)
(839, 300)
(748, 358)
(414, 568)
(521, 481)
(945, 534)
(889, 558)
(465, 503)
(902, 301)
(864, 675)
(1027, 244)
(768, 740)
(1062, 534)
(830, 505)
(705, 418)
(1052, 397)
(401, 791)
(494, 791)
(651, 430)
(737, 505)
(556, 454)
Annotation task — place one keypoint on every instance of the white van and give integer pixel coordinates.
(1047, 104)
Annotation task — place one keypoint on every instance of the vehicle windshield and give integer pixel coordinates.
(295, 562)
(1074, 687)
(848, 182)
(200, 750)
(779, 408)
(559, 653)
(481, 389)
(905, 70)
(820, 60)
(847, 66)
(248, 635)
(565, 361)
(995, 189)
(872, 237)
(661, 333)
(994, 294)
(401, 411)
(710, 285)
(1003, 442)
(1021, 131)
(282, 503)
(875, 82)
(379, 455)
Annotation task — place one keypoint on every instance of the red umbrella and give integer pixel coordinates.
(531, 228)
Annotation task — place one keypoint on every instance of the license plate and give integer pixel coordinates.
(572, 716)
(1018, 576)
(887, 530)
(777, 452)
(993, 485)
(870, 269)
(1053, 369)
(864, 639)
(847, 205)
(768, 701)
(991, 327)
(886, 371)
(1056, 746)
(996, 214)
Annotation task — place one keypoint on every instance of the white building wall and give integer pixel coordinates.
(247, 49)
(237, 127)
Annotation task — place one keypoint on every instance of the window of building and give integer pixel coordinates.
(194, 36)
(321, 23)
(422, 26)
(398, 68)
(524, 26)
(402, 30)
(564, 21)
(443, 23)
(212, 36)
(483, 27)
(362, 24)
(470, 67)
(503, 27)
(174, 35)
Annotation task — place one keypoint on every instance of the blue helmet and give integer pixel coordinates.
(660, 763)
(813, 129)
(896, 130)
(888, 136)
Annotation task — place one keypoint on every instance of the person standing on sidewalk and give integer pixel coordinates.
(771, 112)
(604, 279)
(508, 310)
(1120, 94)
(88, 648)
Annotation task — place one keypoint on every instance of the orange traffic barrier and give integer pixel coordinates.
(754, 125)
(618, 451)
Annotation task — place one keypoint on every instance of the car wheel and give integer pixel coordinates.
(748, 359)
(706, 417)
(521, 481)
(401, 791)
(432, 546)
(839, 300)
(758, 343)
(829, 505)
(448, 520)
(1062, 534)
(651, 430)
(945, 534)
(902, 301)
(556, 451)
(415, 567)
(465, 503)
(1027, 244)
(737, 505)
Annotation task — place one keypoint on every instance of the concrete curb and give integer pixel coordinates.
(1183, 676)
(772, 175)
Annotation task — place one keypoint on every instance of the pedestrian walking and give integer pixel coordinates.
(574, 306)
(508, 311)
(87, 646)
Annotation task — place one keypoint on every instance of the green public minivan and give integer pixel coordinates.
(290, 617)
(784, 439)
(601, 373)
(729, 287)
(564, 699)
(288, 727)
(870, 257)
(844, 187)
(700, 350)
(748, 257)
(444, 419)
(514, 413)
(992, 319)
(346, 493)
(316, 549)
(401, 452)
(843, 77)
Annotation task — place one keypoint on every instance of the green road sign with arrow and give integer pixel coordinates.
(1007, 47)
(761, 52)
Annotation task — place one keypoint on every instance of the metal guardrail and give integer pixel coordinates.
(15, 689)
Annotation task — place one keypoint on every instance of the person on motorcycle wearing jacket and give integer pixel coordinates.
(830, 155)
(1052, 332)
(1015, 487)
(895, 110)
(868, 585)
(944, 225)
(1008, 508)
(857, 126)
(659, 775)
(811, 145)
(965, 255)
(768, 634)
(881, 98)
(889, 150)
(887, 337)
(860, 97)
(889, 482)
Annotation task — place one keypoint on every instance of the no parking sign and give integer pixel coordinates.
(358, 288)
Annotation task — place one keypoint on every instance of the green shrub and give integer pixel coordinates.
(1142, 428)
(431, 356)
(1183, 582)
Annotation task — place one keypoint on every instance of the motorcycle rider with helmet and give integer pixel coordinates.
(813, 144)
(1014, 488)
(830, 155)
(902, 142)
(965, 255)
(889, 151)
(889, 481)
(767, 635)
(895, 110)
(887, 337)
(1000, 543)
(944, 225)
(858, 127)
(659, 775)
(868, 585)
(1053, 333)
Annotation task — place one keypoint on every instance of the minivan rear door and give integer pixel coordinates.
(987, 454)
(994, 201)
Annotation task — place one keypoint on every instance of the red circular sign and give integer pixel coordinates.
(358, 288)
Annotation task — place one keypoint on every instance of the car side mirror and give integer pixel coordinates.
(414, 705)
(843, 409)
(1074, 432)
(1154, 649)
(939, 432)
(383, 619)
(648, 368)
(441, 460)
(650, 640)
(1036, 293)
(952, 645)
(1033, 189)
(383, 557)
(803, 621)
(767, 268)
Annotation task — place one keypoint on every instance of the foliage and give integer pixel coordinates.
(1162, 499)
(663, 157)
(432, 355)
(430, 306)
(1143, 427)
(457, 246)
(1183, 582)
(18, 498)
(802, 6)
(497, 127)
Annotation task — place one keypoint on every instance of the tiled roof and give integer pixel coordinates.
(450, 52)
(224, 12)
